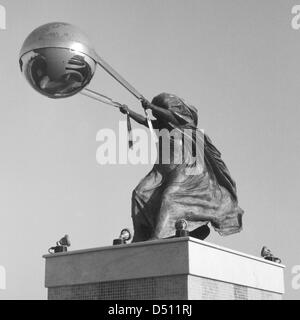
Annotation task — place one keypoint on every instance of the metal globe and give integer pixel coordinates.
(57, 60)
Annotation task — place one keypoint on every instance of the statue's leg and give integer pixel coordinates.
(163, 226)
(144, 205)
(141, 225)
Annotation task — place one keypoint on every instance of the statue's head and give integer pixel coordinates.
(174, 103)
(57, 60)
(167, 100)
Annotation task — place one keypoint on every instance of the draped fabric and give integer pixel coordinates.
(198, 188)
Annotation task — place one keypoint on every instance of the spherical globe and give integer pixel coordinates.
(57, 60)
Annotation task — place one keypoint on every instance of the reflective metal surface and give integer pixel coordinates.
(58, 35)
(57, 72)
(57, 60)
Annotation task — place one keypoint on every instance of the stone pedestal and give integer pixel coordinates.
(179, 268)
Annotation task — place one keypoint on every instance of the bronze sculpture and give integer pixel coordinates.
(168, 193)
(58, 62)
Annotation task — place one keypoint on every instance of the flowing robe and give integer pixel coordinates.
(198, 188)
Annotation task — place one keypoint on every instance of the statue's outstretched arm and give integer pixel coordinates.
(162, 114)
(138, 117)
(135, 116)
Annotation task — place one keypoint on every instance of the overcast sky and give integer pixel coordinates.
(236, 61)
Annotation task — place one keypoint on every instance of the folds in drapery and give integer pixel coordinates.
(200, 189)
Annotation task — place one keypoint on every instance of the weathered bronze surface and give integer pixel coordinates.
(169, 192)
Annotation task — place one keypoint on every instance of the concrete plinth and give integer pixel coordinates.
(179, 268)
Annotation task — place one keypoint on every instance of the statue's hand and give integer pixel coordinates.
(146, 104)
(124, 109)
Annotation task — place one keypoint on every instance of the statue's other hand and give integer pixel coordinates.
(124, 109)
(146, 104)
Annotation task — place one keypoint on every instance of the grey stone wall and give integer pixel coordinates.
(179, 287)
